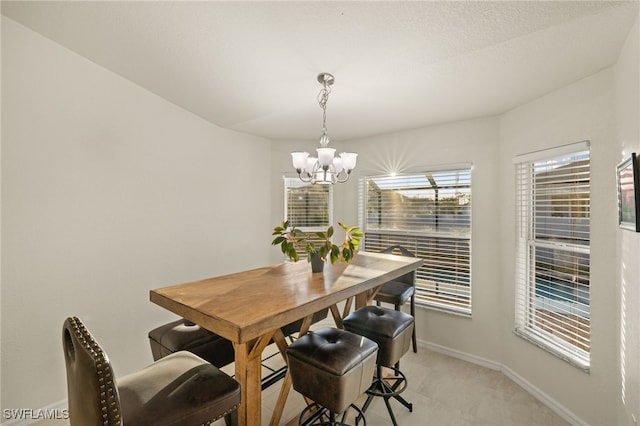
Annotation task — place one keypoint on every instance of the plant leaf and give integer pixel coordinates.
(346, 254)
(293, 254)
(278, 240)
(330, 232)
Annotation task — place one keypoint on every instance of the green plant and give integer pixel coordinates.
(292, 241)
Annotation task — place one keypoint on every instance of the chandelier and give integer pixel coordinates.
(326, 168)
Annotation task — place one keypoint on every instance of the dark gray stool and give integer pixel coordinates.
(392, 331)
(333, 368)
(400, 290)
(183, 335)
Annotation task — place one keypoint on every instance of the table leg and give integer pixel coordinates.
(362, 300)
(337, 318)
(281, 342)
(248, 374)
(365, 298)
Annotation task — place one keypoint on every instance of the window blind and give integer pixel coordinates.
(428, 213)
(553, 254)
(308, 207)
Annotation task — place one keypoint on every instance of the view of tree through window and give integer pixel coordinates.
(428, 213)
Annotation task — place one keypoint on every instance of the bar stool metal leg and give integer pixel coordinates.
(329, 418)
(382, 388)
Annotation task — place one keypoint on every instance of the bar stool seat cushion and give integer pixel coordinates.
(395, 293)
(390, 329)
(332, 367)
(202, 392)
(183, 335)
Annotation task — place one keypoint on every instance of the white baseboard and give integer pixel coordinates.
(558, 408)
(474, 359)
(541, 396)
(25, 417)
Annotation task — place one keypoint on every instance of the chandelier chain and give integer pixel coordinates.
(323, 97)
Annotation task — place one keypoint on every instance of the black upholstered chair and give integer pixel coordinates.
(181, 389)
(391, 330)
(401, 290)
(332, 368)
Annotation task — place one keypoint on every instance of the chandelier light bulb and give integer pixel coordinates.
(299, 160)
(325, 157)
(349, 160)
(311, 165)
(337, 164)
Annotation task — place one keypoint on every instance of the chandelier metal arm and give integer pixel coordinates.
(308, 179)
(347, 175)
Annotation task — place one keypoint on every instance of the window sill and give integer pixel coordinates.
(445, 309)
(556, 350)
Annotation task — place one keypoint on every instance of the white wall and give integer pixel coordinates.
(627, 109)
(108, 191)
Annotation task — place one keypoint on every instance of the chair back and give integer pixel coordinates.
(409, 278)
(91, 389)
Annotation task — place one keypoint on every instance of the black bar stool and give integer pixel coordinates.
(333, 368)
(392, 331)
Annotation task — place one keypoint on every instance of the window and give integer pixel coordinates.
(428, 213)
(552, 251)
(308, 207)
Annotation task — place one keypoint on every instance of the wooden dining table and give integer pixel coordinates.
(249, 308)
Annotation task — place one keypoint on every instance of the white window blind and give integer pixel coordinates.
(552, 253)
(308, 207)
(428, 213)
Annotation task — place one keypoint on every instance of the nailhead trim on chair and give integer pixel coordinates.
(231, 410)
(108, 401)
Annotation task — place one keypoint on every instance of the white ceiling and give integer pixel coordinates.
(252, 66)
